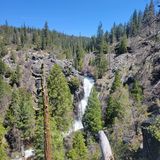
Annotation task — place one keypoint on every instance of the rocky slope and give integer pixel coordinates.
(142, 64)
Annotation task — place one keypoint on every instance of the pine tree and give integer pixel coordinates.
(16, 76)
(79, 58)
(79, 149)
(112, 34)
(21, 114)
(137, 91)
(117, 82)
(100, 59)
(39, 138)
(146, 15)
(39, 132)
(45, 36)
(134, 23)
(118, 105)
(140, 17)
(3, 144)
(92, 119)
(151, 11)
(60, 98)
(36, 40)
(57, 141)
(122, 48)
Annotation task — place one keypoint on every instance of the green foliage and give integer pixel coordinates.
(16, 76)
(37, 40)
(118, 105)
(21, 114)
(92, 119)
(39, 138)
(60, 98)
(5, 91)
(13, 57)
(68, 53)
(122, 48)
(117, 82)
(79, 58)
(74, 84)
(2, 67)
(3, 144)
(137, 91)
(101, 47)
(3, 49)
(57, 143)
(154, 129)
(79, 149)
(121, 151)
(45, 36)
(45, 39)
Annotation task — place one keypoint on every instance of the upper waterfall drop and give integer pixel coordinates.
(88, 83)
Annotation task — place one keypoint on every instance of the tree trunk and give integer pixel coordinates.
(47, 132)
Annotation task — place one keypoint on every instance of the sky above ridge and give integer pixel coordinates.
(77, 17)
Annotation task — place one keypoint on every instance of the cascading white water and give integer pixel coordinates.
(88, 84)
(77, 124)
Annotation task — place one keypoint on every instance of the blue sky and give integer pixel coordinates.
(68, 16)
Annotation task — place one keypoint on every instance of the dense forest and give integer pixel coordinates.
(124, 103)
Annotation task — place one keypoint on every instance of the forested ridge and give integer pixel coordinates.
(124, 102)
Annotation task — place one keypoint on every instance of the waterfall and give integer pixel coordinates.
(87, 84)
(77, 124)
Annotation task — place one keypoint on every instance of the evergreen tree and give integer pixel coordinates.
(117, 82)
(39, 131)
(79, 58)
(16, 76)
(36, 40)
(57, 143)
(151, 11)
(140, 17)
(122, 48)
(2, 67)
(134, 23)
(118, 105)
(3, 144)
(39, 138)
(137, 91)
(60, 98)
(112, 34)
(21, 114)
(146, 15)
(79, 149)
(45, 36)
(5, 94)
(92, 119)
(100, 60)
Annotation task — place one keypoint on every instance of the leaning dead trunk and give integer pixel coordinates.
(47, 132)
(105, 146)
